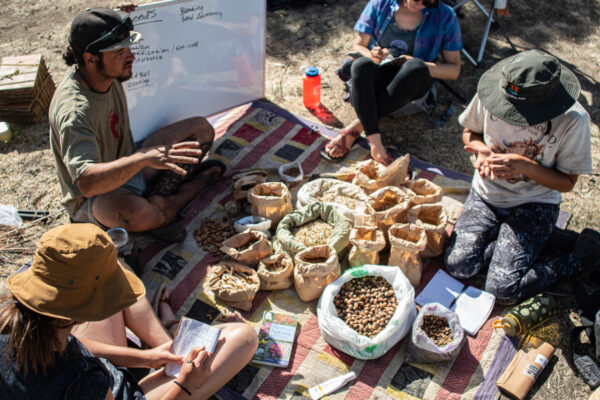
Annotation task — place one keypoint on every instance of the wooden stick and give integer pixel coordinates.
(18, 249)
(32, 223)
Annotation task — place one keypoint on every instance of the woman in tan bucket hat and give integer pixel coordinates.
(75, 277)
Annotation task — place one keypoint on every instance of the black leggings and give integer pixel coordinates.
(379, 90)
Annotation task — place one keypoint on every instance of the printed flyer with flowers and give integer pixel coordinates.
(275, 339)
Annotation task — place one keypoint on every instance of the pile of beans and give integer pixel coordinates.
(437, 329)
(366, 304)
(211, 234)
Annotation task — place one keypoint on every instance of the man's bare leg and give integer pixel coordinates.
(229, 358)
(196, 128)
(121, 208)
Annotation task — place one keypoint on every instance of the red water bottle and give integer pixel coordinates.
(311, 88)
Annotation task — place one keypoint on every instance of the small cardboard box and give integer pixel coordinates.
(525, 367)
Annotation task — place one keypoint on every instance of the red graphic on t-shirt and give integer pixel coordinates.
(113, 119)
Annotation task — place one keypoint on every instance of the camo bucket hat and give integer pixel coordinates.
(528, 88)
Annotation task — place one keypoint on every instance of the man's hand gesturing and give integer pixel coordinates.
(168, 156)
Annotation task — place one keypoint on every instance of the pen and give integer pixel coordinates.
(464, 288)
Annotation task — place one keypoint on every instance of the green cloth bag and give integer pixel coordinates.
(340, 236)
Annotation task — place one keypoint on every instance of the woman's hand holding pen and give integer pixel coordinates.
(378, 54)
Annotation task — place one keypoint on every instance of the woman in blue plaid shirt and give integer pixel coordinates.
(399, 43)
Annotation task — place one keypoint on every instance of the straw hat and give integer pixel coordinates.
(528, 88)
(75, 276)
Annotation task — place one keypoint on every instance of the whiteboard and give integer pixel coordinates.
(195, 58)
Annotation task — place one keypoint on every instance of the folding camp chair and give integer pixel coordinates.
(490, 19)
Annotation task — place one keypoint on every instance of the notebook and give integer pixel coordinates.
(473, 306)
(191, 333)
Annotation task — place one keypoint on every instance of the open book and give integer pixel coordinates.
(191, 333)
(473, 306)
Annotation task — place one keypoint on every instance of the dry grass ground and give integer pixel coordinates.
(321, 35)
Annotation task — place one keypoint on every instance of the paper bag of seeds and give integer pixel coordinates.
(315, 268)
(388, 203)
(384, 314)
(346, 197)
(406, 242)
(367, 242)
(275, 272)
(421, 191)
(371, 175)
(436, 335)
(271, 200)
(234, 283)
(433, 218)
(247, 247)
(314, 225)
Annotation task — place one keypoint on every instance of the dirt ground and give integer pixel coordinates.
(317, 33)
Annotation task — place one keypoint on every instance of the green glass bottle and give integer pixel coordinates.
(526, 315)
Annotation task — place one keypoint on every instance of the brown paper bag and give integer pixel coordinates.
(270, 200)
(315, 268)
(247, 247)
(526, 366)
(388, 203)
(275, 272)
(433, 218)
(372, 175)
(406, 242)
(421, 191)
(367, 242)
(234, 283)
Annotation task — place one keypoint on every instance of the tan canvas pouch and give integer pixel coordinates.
(275, 272)
(388, 203)
(371, 175)
(367, 242)
(406, 242)
(270, 200)
(433, 218)
(421, 191)
(315, 268)
(248, 247)
(233, 283)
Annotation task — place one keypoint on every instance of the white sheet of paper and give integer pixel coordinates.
(191, 333)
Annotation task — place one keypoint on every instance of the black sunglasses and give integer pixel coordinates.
(429, 3)
(116, 35)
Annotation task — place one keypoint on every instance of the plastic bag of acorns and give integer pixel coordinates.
(437, 335)
(367, 310)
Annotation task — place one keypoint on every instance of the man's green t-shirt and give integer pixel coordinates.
(86, 128)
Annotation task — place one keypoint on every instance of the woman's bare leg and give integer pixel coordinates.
(378, 152)
(229, 358)
(355, 126)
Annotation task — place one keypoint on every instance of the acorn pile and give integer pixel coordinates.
(366, 304)
(437, 329)
(211, 234)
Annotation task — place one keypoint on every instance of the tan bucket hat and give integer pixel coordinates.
(75, 276)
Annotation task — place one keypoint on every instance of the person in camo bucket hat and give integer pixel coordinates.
(531, 141)
(528, 88)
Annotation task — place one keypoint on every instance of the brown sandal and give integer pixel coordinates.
(339, 146)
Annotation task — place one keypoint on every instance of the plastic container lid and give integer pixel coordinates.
(311, 71)
(119, 236)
